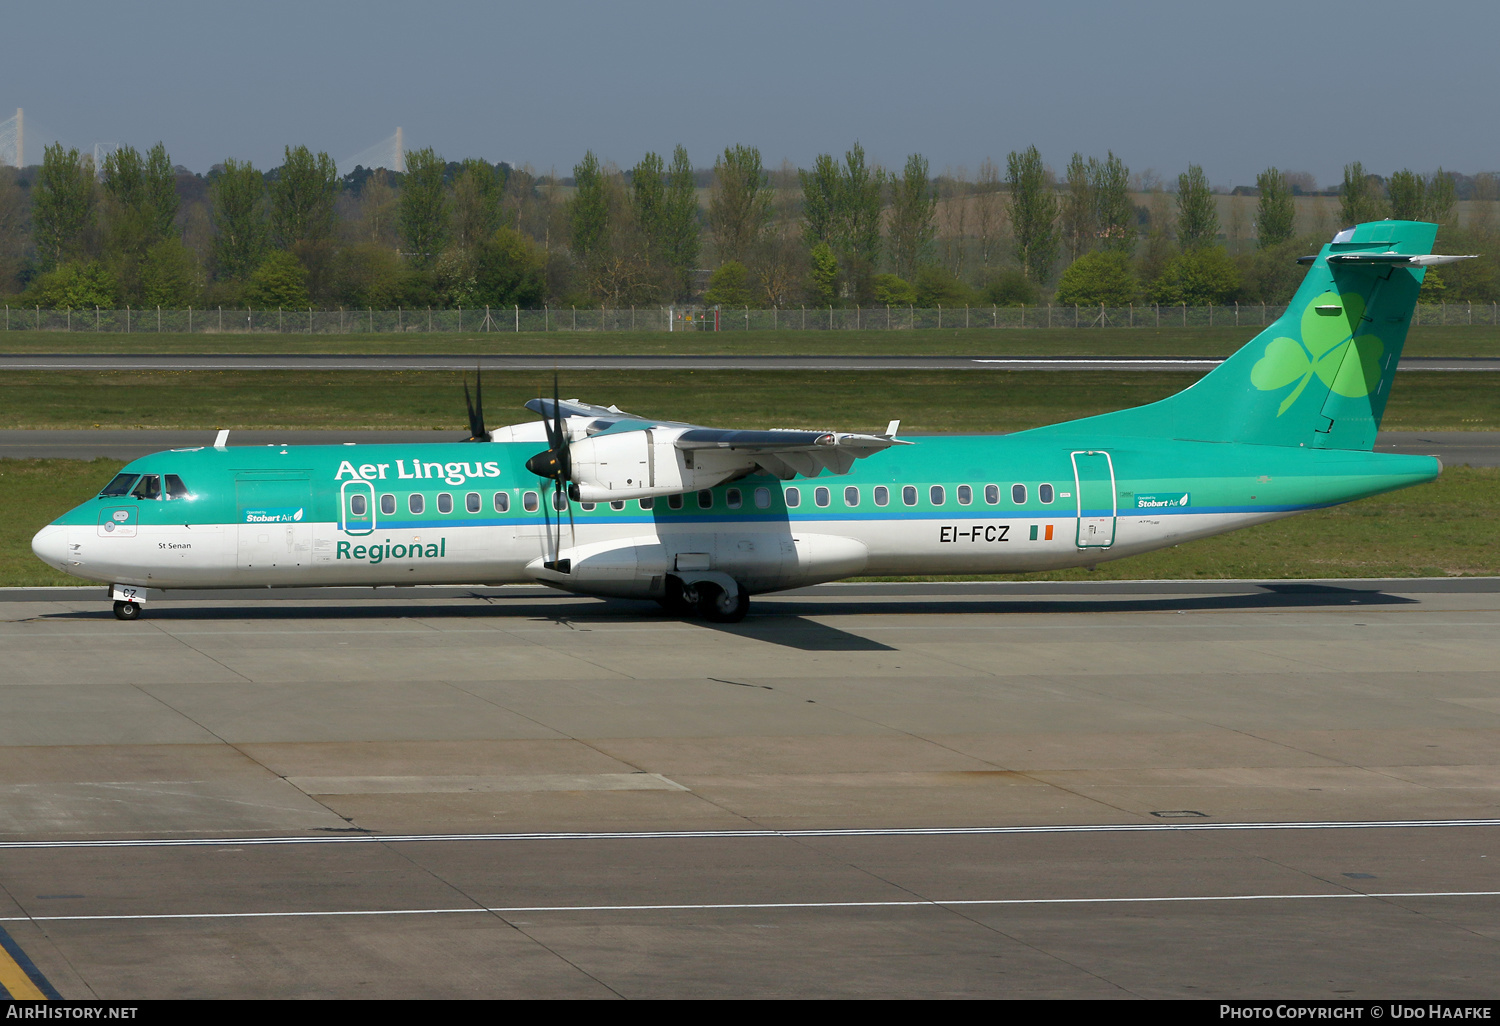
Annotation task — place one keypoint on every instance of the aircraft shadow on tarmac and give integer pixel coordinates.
(779, 622)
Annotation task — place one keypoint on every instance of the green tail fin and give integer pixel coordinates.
(1320, 375)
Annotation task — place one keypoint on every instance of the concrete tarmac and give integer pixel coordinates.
(1185, 789)
(1473, 448)
(503, 362)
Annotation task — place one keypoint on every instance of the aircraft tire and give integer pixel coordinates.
(127, 610)
(715, 606)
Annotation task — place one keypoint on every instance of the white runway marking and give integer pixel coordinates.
(1146, 362)
(747, 906)
(1091, 828)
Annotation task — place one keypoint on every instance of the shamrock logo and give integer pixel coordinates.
(1328, 326)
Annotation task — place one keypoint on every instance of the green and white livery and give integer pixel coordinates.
(600, 502)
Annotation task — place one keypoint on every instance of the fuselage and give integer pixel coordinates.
(470, 513)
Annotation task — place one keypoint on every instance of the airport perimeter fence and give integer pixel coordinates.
(484, 320)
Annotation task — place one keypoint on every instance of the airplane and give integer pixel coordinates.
(700, 519)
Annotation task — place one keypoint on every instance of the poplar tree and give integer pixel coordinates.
(63, 204)
(477, 192)
(1114, 210)
(237, 199)
(913, 205)
(739, 209)
(588, 214)
(1441, 199)
(302, 197)
(1077, 216)
(141, 199)
(1033, 212)
(1276, 213)
(1197, 216)
(424, 214)
(1359, 197)
(648, 203)
(1408, 194)
(680, 234)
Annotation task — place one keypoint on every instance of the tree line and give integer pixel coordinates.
(139, 231)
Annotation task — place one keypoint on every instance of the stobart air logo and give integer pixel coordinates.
(1328, 326)
(453, 473)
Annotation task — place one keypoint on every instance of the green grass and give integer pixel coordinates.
(1423, 341)
(1446, 528)
(924, 401)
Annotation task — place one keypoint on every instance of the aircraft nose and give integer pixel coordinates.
(51, 545)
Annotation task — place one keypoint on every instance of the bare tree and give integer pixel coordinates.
(989, 212)
(953, 218)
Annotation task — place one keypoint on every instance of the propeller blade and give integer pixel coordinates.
(477, 432)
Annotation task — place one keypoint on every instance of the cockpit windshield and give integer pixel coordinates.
(176, 489)
(119, 486)
(149, 487)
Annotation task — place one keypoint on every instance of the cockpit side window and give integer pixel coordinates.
(176, 489)
(149, 487)
(119, 486)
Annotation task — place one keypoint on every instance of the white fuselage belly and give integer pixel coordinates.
(620, 558)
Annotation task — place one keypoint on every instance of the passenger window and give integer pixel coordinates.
(992, 494)
(148, 488)
(762, 498)
(1044, 492)
(358, 507)
(176, 489)
(587, 507)
(705, 499)
(445, 502)
(820, 495)
(965, 495)
(1018, 494)
(648, 502)
(617, 505)
(909, 495)
(502, 502)
(882, 495)
(674, 502)
(388, 504)
(416, 503)
(733, 498)
(472, 503)
(851, 496)
(559, 501)
(793, 497)
(529, 502)
(936, 494)
(119, 486)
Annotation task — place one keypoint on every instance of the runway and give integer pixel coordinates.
(1186, 789)
(502, 362)
(1473, 448)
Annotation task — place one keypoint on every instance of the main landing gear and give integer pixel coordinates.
(127, 610)
(707, 600)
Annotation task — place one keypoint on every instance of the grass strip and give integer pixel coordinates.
(939, 401)
(1431, 341)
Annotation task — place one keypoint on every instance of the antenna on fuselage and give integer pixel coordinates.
(222, 439)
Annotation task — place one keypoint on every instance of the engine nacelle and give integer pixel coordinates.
(640, 464)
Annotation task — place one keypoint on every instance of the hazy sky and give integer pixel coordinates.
(1235, 87)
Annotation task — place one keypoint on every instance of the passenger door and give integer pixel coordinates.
(1094, 479)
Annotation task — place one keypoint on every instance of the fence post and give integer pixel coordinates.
(127, 318)
(1075, 315)
(856, 316)
(830, 316)
(994, 315)
(309, 321)
(1049, 315)
(940, 315)
(1210, 315)
(1132, 315)
(546, 316)
(911, 317)
(1262, 313)
(1023, 315)
(1158, 313)
(221, 318)
(575, 318)
(429, 320)
(280, 321)
(158, 318)
(518, 318)
(370, 310)
(70, 318)
(966, 315)
(1236, 313)
(190, 318)
(1471, 313)
(747, 316)
(96, 316)
(1184, 315)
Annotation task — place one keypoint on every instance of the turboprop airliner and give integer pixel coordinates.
(596, 501)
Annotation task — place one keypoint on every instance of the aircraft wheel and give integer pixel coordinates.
(715, 605)
(127, 610)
